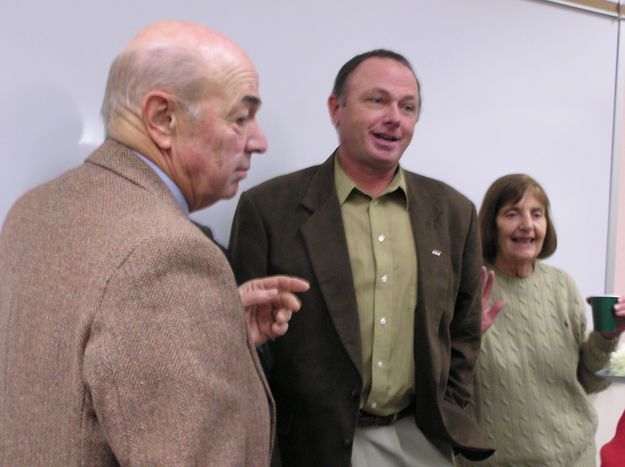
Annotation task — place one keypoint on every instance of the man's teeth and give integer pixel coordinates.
(386, 137)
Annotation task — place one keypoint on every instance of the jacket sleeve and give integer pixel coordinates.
(248, 250)
(465, 325)
(168, 363)
(249, 256)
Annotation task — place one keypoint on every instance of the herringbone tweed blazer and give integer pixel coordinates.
(122, 336)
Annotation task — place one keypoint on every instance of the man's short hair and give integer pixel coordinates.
(175, 70)
(346, 70)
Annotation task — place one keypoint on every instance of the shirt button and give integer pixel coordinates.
(381, 238)
(383, 321)
(380, 364)
(375, 202)
(384, 278)
(374, 405)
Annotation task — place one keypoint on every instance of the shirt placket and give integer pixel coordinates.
(384, 280)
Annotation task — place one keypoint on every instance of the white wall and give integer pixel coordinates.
(508, 86)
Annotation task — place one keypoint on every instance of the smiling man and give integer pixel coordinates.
(379, 368)
(123, 337)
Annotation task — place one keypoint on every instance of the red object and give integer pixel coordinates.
(613, 453)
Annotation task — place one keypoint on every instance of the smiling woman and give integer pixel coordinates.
(521, 230)
(516, 225)
(536, 364)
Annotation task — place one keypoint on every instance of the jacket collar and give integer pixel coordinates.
(123, 161)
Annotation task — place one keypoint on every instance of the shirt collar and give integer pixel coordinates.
(345, 185)
(169, 183)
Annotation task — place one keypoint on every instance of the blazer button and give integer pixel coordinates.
(354, 395)
(347, 442)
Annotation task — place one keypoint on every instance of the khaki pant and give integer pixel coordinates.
(399, 445)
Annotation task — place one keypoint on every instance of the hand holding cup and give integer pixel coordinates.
(608, 314)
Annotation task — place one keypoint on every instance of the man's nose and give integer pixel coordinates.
(392, 114)
(257, 142)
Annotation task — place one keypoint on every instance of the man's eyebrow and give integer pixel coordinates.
(252, 100)
(387, 92)
(377, 89)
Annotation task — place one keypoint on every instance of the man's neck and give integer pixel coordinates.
(129, 130)
(372, 180)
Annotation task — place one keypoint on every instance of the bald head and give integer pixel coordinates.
(182, 34)
(213, 47)
(186, 97)
(178, 57)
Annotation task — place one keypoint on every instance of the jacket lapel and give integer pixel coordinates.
(432, 262)
(327, 248)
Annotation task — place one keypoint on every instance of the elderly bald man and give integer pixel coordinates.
(123, 336)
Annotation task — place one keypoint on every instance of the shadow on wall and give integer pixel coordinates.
(40, 132)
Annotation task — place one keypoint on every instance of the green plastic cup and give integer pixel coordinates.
(603, 317)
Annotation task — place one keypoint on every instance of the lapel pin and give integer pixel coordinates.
(436, 252)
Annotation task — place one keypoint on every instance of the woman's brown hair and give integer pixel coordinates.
(505, 190)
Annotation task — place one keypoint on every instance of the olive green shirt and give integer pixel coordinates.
(384, 269)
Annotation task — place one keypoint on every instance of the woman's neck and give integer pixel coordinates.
(514, 269)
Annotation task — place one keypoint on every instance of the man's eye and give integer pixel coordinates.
(241, 121)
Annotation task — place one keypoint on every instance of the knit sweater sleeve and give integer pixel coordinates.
(594, 349)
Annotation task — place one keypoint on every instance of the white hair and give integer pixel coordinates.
(135, 72)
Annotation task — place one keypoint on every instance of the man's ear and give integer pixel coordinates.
(160, 118)
(334, 103)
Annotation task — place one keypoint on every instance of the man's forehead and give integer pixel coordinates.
(383, 73)
(235, 102)
(236, 83)
(382, 62)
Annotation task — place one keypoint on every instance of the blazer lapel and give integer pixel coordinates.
(327, 248)
(432, 263)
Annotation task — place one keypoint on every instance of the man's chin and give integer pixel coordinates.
(385, 157)
(231, 190)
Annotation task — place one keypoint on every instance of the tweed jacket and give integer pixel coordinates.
(122, 335)
(293, 225)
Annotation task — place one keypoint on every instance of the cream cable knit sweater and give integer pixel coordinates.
(535, 368)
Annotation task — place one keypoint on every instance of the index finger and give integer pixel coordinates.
(286, 283)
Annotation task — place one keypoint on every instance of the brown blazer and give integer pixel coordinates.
(122, 336)
(293, 225)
